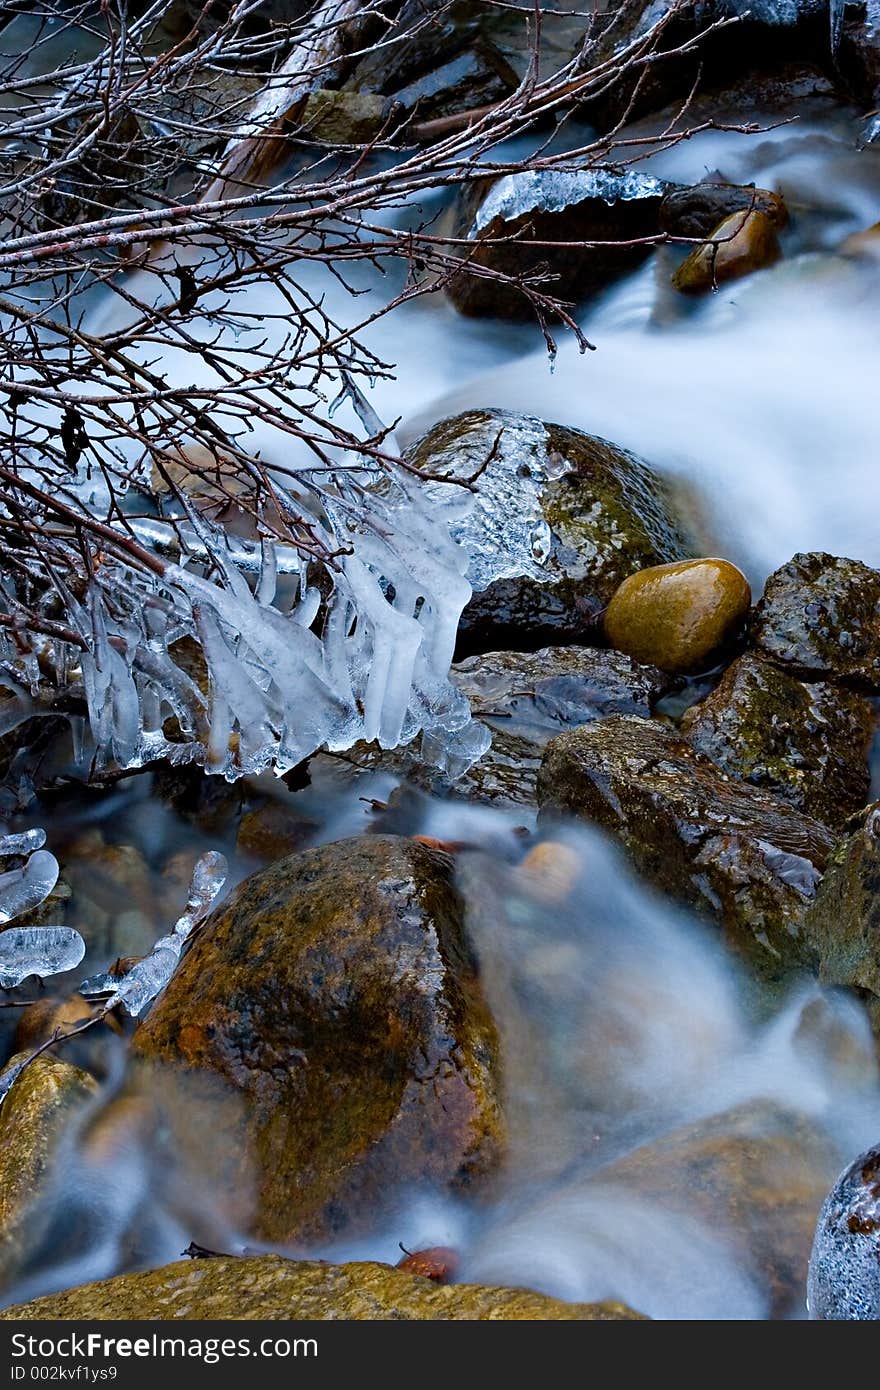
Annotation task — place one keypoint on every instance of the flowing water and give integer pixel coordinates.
(623, 1022)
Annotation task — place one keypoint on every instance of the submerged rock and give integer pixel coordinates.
(738, 855)
(696, 212)
(844, 1277)
(755, 1175)
(842, 928)
(740, 244)
(806, 742)
(335, 993)
(33, 1120)
(559, 519)
(553, 205)
(678, 616)
(820, 616)
(270, 1287)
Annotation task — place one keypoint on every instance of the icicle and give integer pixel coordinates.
(21, 890)
(39, 951)
(25, 843)
(146, 979)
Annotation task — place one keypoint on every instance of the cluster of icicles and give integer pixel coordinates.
(271, 689)
(52, 950)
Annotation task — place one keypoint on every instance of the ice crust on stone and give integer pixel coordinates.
(554, 190)
(505, 532)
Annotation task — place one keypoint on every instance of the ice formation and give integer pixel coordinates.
(43, 950)
(288, 668)
(149, 976)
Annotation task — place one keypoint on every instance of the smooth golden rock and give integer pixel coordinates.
(676, 616)
(742, 243)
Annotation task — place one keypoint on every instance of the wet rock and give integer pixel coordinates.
(526, 698)
(756, 1175)
(334, 992)
(476, 77)
(595, 205)
(270, 1287)
(738, 855)
(842, 928)
(742, 243)
(33, 1119)
(559, 519)
(695, 212)
(844, 1277)
(343, 118)
(272, 829)
(678, 616)
(820, 617)
(804, 742)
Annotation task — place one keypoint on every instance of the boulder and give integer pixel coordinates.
(741, 857)
(806, 743)
(271, 1288)
(517, 216)
(740, 244)
(679, 616)
(559, 519)
(819, 616)
(334, 992)
(842, 928)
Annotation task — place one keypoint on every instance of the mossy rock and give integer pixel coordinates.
(741, 857)
(819, 616)
(842, 928)
(33, 1120)
(335, 993)
(559, 519)
(804, 742)
(269, 1287)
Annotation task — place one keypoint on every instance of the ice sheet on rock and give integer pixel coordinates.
(41, 951)
(554, 190)
(21, 890)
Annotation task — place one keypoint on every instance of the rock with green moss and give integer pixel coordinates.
(559, 519)
(269, 1287)
(842, 928)
(739, 856)
(34, 1118)
(343, 118)
(819, 616)
(335, 993)
(680, 616)
(806, 742)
